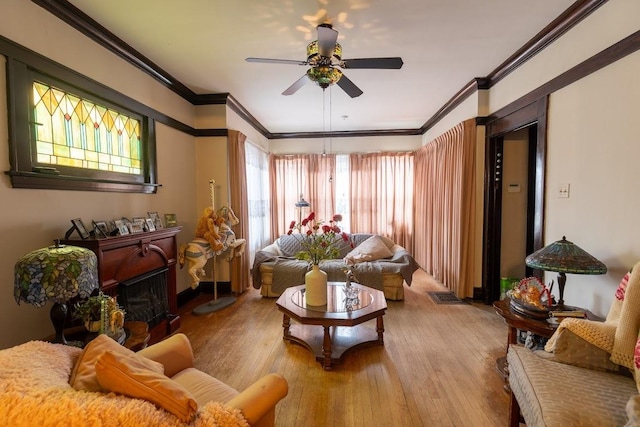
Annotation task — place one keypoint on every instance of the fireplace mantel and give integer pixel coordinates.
(122, 258)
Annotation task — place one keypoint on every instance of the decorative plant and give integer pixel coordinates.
(90, 310)
(318, 240)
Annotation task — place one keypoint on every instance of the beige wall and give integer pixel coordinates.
(514, 204)
(365, 144)
(593, 146)
(212, 164)
(31, 219)
(235, 122)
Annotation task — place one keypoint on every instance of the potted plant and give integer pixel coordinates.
(100, 313)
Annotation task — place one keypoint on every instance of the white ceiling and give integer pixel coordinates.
(444, 45)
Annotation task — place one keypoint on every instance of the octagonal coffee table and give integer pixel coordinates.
(341, 320)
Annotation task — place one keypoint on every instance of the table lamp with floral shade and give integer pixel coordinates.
(56, 273)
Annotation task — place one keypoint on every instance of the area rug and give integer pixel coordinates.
(445, 297)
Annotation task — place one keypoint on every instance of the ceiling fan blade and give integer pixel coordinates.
(349, 87)
(277, 61)
(380, 63)
(296, 86)
(327, 38)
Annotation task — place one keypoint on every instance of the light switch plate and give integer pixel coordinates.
(563, 191)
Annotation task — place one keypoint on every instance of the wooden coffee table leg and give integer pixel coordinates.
(380, 329)
(326, 349)
(286, 324)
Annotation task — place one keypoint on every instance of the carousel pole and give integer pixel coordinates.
(217, 303)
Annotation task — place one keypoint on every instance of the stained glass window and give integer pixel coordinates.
(75, 132)
(69, 132)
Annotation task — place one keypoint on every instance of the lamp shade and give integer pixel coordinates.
(564, 256)
(56, 273)
(302, 203)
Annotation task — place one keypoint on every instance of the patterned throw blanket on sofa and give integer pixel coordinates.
(288, 271)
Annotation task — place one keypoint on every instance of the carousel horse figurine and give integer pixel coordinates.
(197, 252)
(226, 219)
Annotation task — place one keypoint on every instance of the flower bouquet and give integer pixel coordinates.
(318, 240)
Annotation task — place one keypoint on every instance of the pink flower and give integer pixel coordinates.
(318, 240)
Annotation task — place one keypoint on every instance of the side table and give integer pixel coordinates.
(136, 335)
(517, 321)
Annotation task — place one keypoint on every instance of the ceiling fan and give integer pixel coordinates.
(325, 58)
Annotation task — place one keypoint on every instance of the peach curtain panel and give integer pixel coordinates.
(306, 174)
(239, 266)
(445, 214)
(382, 195)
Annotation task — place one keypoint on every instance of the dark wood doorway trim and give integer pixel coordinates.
(534, 117)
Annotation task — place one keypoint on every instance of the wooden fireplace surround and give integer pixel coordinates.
(125, 257)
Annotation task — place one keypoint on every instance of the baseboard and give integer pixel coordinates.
(189, 294)
(478, 294)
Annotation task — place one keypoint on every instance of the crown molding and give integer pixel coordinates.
(556, 28)
(73, 16)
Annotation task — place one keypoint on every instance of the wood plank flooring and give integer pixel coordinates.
(436, 368)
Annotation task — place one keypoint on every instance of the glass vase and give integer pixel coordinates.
(315, 282)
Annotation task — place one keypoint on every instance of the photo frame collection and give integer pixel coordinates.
(121, 227)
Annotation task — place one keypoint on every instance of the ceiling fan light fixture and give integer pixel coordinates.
(324, 76)
(313, 49)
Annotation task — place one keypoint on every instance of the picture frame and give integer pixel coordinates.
(157, 221)
(136, 226)
(78, 226)
(150, 226)
(100, 228)
(170, 220)
(123, 230)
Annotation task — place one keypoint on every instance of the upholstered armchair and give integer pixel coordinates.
(42, 383)
(585, 375)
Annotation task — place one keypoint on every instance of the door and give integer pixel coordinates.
(513, 226)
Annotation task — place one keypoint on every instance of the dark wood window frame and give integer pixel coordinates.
(25, 68)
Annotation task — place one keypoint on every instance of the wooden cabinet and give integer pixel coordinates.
(122, 258)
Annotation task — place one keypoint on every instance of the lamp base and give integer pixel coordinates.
(58, 317)
(215, 305)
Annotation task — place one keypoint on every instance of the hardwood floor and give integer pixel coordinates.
(436, 368)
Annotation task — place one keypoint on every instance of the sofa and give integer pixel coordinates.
(588, 373)
(42, 383)
(376, 261)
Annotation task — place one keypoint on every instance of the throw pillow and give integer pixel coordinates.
(129, 375)
(83, 376)
(616, 305)
(371, 249)
(636, 363)
(628, 323)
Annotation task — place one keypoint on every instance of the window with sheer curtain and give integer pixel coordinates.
(373, 192)
(259, 206)
(382, 195)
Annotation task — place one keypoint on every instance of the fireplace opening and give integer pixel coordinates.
(144, 298)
